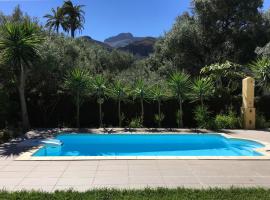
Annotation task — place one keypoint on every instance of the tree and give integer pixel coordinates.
(19, 45)
(202, 88)
(158, 93)
(119, 92)
(98, 89)
(78, 82)
(140, 91)
(261, 71)
(74, 17)
(179, 83)
(55, 20)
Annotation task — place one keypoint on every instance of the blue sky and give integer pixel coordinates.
(105, 18)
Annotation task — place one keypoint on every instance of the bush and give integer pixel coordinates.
(136, 123)
(203, 118)
(261, 121)
(227, 121)
(5, 135)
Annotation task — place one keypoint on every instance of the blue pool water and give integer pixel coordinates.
(149, 145)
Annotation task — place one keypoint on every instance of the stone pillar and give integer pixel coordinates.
(248, 110)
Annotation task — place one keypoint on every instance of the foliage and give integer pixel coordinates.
(136, 123)
(99, 89)
(261, 121)
(261, 71)
(78, 83)
(227, 121)
(19, 48)
(202, 89)
(119, 91)
(179, 83)
(70, 17)
(202, 117)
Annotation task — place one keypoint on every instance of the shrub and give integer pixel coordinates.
(159, 119)
(5, 135)
(227, 121)
(261, 121)
(203, 118)
(136, 123)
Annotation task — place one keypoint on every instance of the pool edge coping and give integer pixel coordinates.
(27, 156)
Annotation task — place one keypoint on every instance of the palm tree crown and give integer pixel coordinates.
(74, 16)
(55, 20)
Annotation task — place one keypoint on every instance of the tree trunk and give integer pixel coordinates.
(72, 33)
(119, 113)
(100, 115)
(180, 114)
(21, 88)
(201, 101)
(159, 115)
(142, 110)
(78, 110)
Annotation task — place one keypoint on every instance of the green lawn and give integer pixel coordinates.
(149, 194)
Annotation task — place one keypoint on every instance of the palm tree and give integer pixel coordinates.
(158, 93)
(141, 92)
(19, 47)
(74, 16)
(119, 92)
(98, 89)
(77, 82)
(179, 83)
(261, 71)
(202, 89)
(55, 20)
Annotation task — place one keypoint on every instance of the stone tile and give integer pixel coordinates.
(112, 168)
(38, 181)
(184, 185)
(84, 163)
(82, 168)
(9, 182)
(14, 174)
(113, 162)
(107, 180)
(48, 168)
(180, 180)
(79, 174)
(142, 162)
(143, 186)
(10, 168)
(79, 188)
(176, 172)
(146, 172)
(43, 188)
(111, 186)
(75, 181)
(145, 180)
(113, 173)
(42, 174)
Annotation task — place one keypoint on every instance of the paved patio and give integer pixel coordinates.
(137, 174)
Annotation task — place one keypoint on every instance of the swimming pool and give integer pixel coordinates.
(149, 145)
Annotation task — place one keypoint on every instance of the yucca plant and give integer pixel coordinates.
(98, 89)
(202, 89)
(118, 91)
(77, 82)
(19, 48)
(179, 83)
(140, 91)
(158, 93)
(261, 71)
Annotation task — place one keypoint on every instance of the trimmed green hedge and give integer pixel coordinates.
(149, 194)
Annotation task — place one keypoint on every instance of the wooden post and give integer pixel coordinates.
(248, 110)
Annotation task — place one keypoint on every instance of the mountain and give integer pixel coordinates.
(92, 41)
(139, 46)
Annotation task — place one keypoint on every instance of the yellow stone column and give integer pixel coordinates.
(248, 110)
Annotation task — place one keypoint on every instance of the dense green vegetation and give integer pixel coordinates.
(164, 194)
(192, 79)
